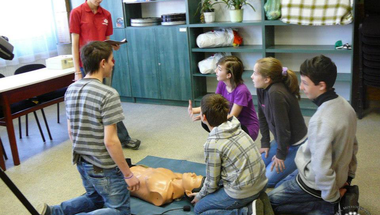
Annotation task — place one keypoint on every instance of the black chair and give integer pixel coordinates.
(51, 96)
(19, 106)
(2, 146)
(28, 68)
(369, 52)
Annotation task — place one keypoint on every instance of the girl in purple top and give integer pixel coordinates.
(231, 86)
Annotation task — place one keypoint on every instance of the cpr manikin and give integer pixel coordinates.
(160, 186)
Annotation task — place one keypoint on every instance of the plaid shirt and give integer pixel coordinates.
(316, 12)
(232, 160)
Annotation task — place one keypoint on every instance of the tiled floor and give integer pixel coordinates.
(31, 145)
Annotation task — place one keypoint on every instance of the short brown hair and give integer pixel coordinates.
(216, 109)
(320, 68)
(93, 53)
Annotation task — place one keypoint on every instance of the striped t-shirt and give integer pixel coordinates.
(91, 105)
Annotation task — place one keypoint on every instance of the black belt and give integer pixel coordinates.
(96, 168)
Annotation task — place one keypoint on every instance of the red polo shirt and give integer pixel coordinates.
(90, 26)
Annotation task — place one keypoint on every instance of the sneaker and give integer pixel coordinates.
(132, 144)
(339, 44)
(347, 46)
(43, 209)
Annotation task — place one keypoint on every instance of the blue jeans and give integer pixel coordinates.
(289, 198)
(290, 165)
(219, 203)
(106, 193)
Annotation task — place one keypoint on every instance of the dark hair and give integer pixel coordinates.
(272, 68)
(93, 53)
(216, 109)
(320, 68)
(234, 66)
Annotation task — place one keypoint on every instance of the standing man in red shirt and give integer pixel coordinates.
(91, 22)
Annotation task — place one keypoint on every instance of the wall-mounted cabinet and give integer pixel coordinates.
(159, 62)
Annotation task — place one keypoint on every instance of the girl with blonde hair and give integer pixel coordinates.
(279, 113)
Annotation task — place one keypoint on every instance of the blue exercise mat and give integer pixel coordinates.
(140, 207)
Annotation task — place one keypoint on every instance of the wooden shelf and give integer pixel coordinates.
(147, 1)
(241, 49)
(157, 26)
(326, 49)
(226, 24)
(308, 108)
(341, 77)
(273, 23)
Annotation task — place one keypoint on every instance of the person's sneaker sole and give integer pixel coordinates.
(134, 145)
(44, 209)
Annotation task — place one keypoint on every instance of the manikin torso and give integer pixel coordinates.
(160, 186)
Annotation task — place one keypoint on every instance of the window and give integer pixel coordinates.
(30, 27)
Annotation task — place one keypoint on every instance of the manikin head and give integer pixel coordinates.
(191, 182)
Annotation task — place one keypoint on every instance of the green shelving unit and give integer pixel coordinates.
(268, 48)
(147, 80)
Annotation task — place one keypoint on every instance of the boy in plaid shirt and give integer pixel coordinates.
(235, 171)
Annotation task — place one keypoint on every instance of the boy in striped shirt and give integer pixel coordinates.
(92, 111)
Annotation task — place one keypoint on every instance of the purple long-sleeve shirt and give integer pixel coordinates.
(242, 96)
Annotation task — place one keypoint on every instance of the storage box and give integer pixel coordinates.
(60, 62)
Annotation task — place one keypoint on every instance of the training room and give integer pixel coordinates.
(189, 107)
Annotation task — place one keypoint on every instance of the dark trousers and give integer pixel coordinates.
(122, 132)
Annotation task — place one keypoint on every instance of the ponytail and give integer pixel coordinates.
(272, 68)
(291, 81)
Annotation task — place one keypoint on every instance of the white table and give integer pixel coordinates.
(28, 85)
